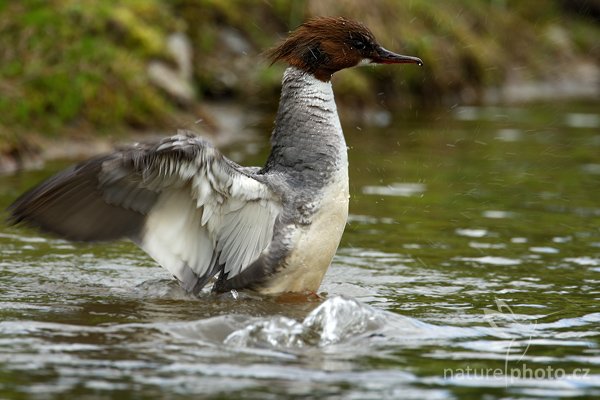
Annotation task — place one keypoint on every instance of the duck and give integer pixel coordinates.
(272, 229)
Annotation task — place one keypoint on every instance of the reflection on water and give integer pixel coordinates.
(470, 266)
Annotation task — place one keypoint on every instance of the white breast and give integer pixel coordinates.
(316, 244)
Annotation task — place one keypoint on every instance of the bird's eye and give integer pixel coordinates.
(359, 45)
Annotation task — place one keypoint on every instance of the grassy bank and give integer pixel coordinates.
(70, 67)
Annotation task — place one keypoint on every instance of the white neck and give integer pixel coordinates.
(307, 130)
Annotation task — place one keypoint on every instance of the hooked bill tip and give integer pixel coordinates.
(384, 56)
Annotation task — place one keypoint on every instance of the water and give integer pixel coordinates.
(470, 267)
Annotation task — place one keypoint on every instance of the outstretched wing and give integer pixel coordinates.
(194, 211)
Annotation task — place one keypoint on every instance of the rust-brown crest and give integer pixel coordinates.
(324, 45)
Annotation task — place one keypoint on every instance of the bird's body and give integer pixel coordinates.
(314, 162)
(273, 229)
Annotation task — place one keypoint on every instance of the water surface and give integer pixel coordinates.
(470, 266)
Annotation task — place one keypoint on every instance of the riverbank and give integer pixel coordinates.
(106, 72)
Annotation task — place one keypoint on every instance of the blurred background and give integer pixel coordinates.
(474, 181)
(94, 71)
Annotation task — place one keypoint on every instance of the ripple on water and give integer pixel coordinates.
(20, 238)
(544, 249)
(585, 260)
(491, 260)
(497, 214)
(480, 245)
(593, 169)
(396, 189)
(583, 120)
(474, 233)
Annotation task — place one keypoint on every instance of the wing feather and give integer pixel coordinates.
(234, 212)
(187, 206)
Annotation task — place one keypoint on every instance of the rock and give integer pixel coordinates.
(171, 81)
(177, 82)
(180, 48)
(234, 41)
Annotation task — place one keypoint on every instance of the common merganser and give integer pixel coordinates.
(273, 229)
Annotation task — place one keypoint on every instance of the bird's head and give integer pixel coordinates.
(324, 45)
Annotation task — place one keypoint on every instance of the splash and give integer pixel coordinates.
(339, 320)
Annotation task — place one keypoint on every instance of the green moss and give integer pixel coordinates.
(68, 62)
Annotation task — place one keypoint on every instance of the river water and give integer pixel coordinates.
(470, 267)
